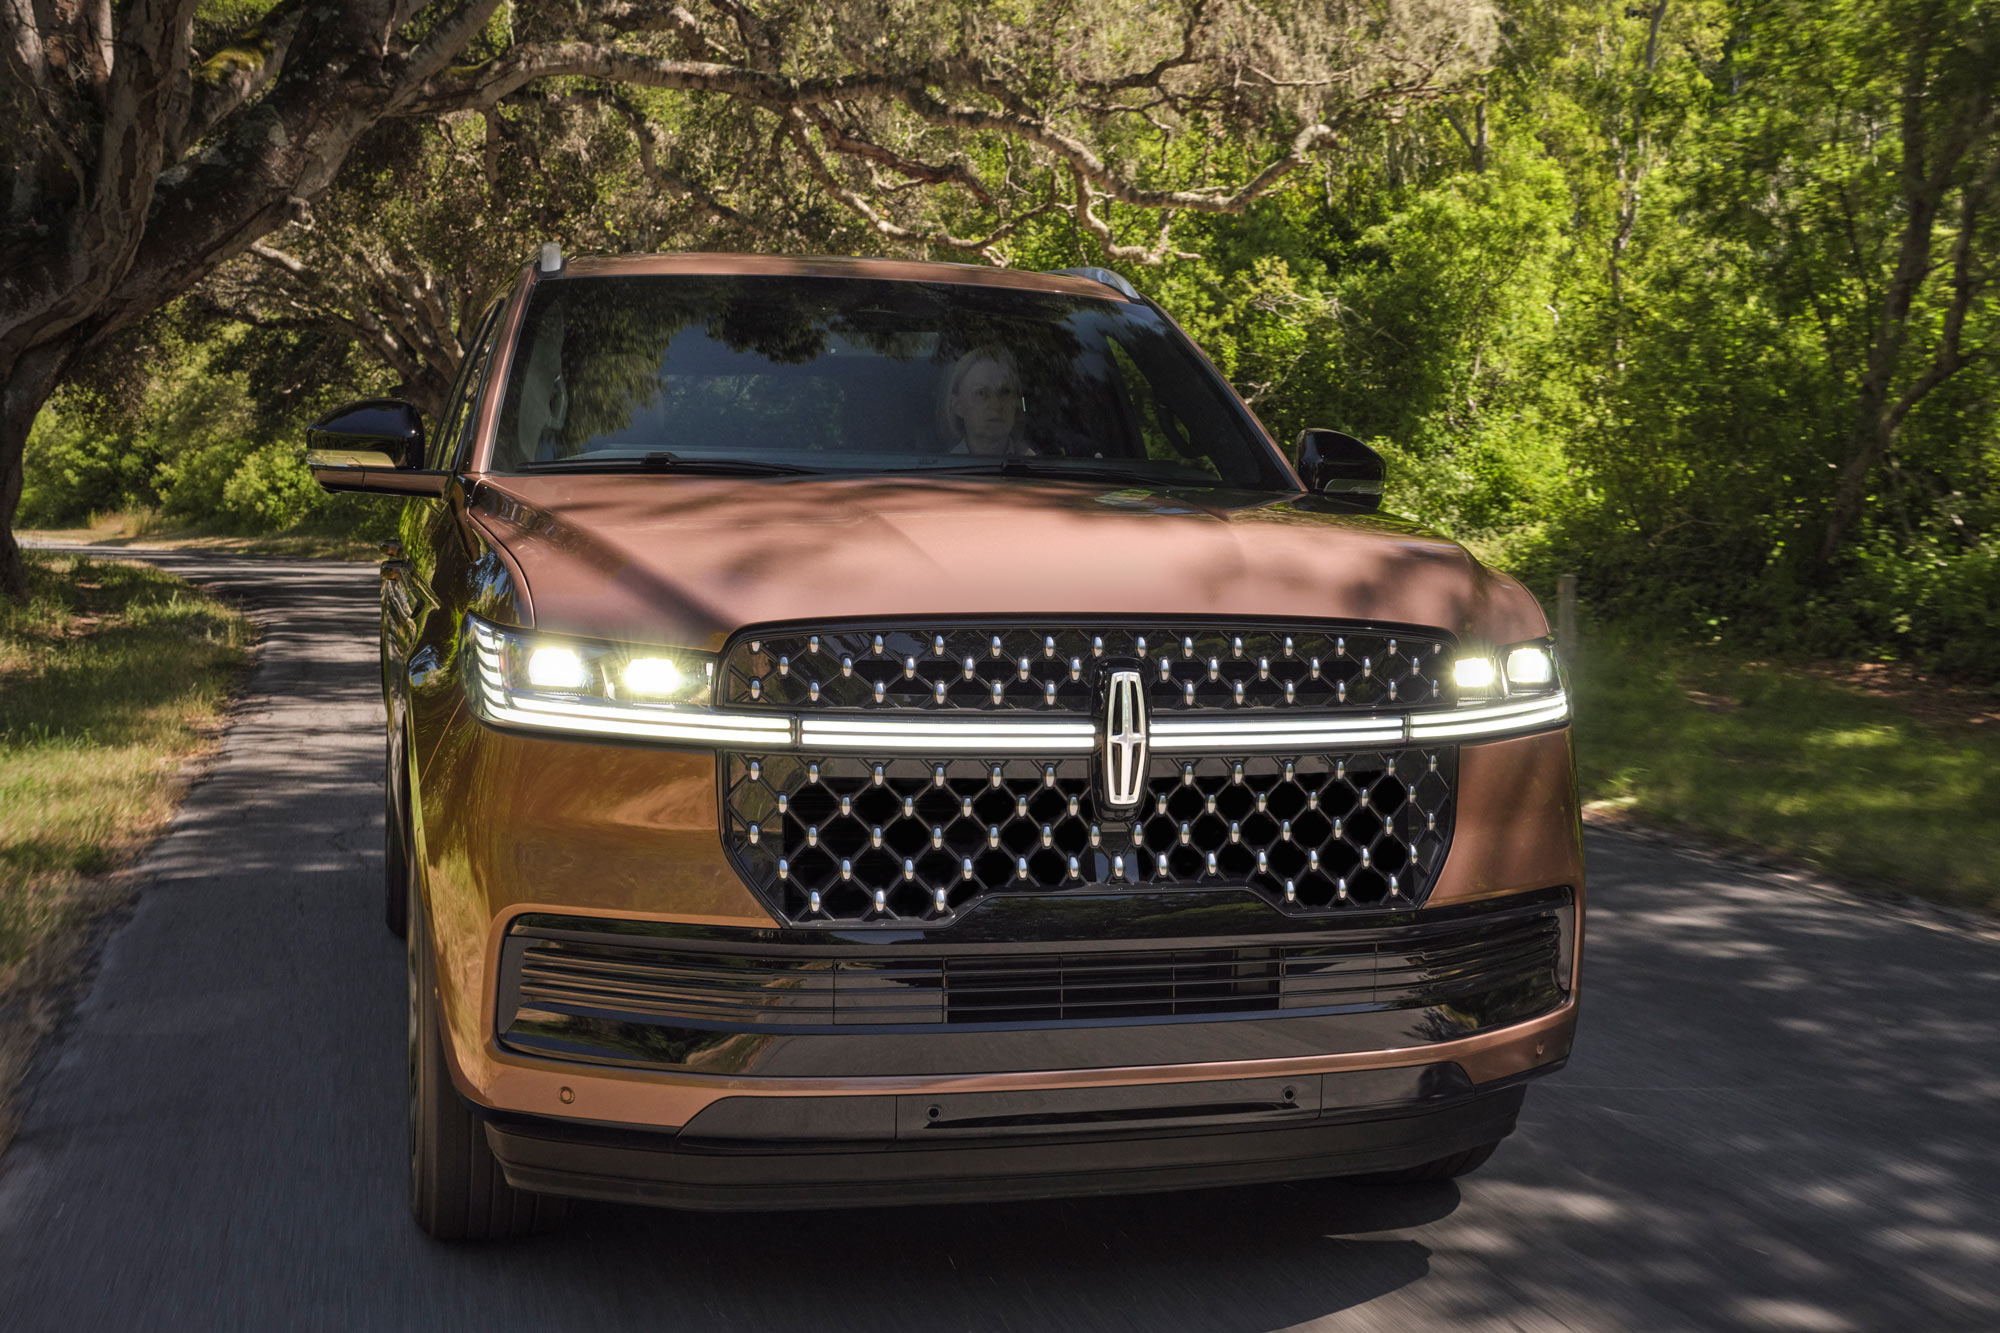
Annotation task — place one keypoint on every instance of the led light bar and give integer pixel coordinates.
(1491, 719)
(848, 733)
(1273, 733)
(699, 726)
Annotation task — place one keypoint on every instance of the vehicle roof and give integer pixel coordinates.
(814, 266)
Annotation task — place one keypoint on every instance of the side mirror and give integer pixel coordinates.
(1340, 466)
(375, 447)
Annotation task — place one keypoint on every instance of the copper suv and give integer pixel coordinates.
(867, 731)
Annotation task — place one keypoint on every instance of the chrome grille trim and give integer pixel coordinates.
(1279, 733)
(1048, 665)
(925, 735)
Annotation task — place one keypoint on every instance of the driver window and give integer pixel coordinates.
(455, 426)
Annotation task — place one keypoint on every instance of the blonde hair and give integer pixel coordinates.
(951, 430)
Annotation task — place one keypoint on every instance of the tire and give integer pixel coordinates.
(457, 1190)
(395, 849)
(1444, 1168)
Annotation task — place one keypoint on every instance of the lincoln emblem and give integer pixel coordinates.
(1122, 752)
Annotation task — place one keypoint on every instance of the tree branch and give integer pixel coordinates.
(235, 76)
(483, 86)
(154, 44)
(927, 173)
(28, 57)
(1948, 359)
(795, 125)
(436, 50)
(1101, 229)
(1151, 78)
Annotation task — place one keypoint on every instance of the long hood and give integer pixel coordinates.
(690, 560)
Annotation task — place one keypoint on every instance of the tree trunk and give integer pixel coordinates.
(426, 393)
(1868, 444)
(27, 384)
(1944, 119)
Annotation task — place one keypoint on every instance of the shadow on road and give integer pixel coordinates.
(1238, 1259)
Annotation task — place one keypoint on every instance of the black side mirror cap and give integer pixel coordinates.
(375, 446)
(1337, 465)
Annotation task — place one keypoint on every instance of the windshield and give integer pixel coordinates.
(860, 375)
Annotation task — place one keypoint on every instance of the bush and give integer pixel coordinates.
(192, 442)
(73, 471)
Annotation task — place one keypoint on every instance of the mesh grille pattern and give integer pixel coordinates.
(1053, 667)
(839, 839)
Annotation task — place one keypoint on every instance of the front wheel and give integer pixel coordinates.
(457, 1190)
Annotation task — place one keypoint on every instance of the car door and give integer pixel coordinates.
(432, 558)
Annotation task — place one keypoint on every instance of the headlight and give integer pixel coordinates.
(1473, 675)
(1531, 668)
(1518, 688)
(598, 688)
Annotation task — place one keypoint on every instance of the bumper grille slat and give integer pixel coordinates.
(1516, 949)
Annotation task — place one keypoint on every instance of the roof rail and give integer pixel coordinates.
(1100, 275)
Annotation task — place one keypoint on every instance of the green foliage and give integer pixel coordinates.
(1896, 788)
(200, 433)
(74, 471)
(1612, 312)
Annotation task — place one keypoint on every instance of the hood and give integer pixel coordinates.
(688, 560)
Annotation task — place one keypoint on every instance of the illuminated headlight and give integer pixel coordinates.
(1530, 667)
(594, 687)
(1474, 675)
(557, 669)
(1517, 689)
(654, 678)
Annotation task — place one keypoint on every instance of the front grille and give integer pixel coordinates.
(1050, 667)
(1498, 964)
(838, 839)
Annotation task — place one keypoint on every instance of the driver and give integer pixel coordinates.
(981, 409)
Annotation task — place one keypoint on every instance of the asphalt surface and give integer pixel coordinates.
(1783, 1112)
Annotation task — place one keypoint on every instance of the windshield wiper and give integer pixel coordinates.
(1019, 466)
(666, 462)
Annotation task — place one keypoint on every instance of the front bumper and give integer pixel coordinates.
(939, 1147)
(1028, 986)
(510, 827)
(975, 1071)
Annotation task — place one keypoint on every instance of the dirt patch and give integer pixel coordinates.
(1930, 699)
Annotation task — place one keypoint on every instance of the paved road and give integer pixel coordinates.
(1783, 1112)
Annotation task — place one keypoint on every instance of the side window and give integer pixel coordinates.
(480, 357)
(447, 422)
(461, 406)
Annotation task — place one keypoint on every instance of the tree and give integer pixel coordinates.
(427, 220)
(1946, 112)
(146, 145)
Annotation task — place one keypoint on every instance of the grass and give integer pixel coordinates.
(1876, 776)
(146, 527)
(111, 677)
